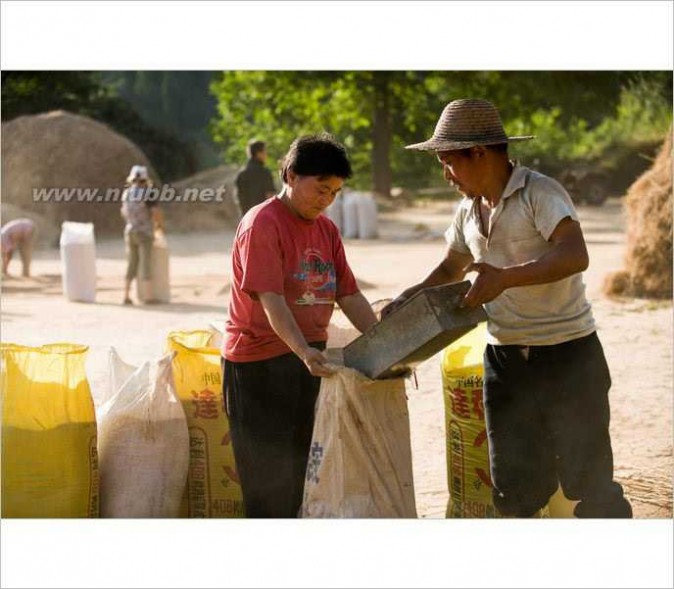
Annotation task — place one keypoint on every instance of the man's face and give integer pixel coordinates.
(461, 171)
(311, 195)
(262, 156)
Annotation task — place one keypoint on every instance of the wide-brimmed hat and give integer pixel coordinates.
(137, 173)
(465, 123)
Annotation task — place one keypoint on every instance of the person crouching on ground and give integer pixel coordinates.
(18, 234)
(546, 379)
(142, 216)
(288, 270)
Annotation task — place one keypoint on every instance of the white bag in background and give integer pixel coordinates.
(367, 217)
(335, 212)
(143, 442)
(78, 261)
(350, 215)
(360, 460)
(160, 285)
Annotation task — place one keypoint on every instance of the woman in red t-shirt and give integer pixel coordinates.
(289, 269)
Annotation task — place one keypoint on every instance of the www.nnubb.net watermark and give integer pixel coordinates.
(165, 194)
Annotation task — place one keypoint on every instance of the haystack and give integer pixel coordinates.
(648, 262)
(204, 216)
(64, 150)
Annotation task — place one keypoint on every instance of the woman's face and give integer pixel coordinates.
(309, 196)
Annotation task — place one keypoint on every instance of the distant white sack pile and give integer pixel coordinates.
(160, 285)
(355, 215)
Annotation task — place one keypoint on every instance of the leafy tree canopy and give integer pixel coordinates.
(573, 114)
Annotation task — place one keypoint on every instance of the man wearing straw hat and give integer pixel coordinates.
(546, 378)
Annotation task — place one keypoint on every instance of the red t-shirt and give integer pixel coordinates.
(275, 251)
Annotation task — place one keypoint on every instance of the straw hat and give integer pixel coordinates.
(137, 173)
(465, 123)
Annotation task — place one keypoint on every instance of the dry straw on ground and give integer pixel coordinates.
(64, 150)
(648, 262)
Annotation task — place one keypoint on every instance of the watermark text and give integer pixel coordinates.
(164, 194)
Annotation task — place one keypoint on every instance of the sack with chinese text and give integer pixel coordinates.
(213, 487)
(469, 483)
(49, 461)
(360, 460)
(468, 478)
(143, 444)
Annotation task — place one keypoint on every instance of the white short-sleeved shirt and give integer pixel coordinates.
(531, 207)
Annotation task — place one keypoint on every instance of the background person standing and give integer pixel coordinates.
(142, 216)
(254, 182)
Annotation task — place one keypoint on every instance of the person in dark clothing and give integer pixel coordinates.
(254, 182)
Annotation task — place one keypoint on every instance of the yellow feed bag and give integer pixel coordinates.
(213, 487)
(470, 487)
(49, 458)
(469, 482)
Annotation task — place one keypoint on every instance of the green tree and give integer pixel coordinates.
(35, 92)
(372, 113)
(575, 115)
(177, 102)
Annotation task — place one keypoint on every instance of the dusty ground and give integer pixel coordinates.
(636, 334)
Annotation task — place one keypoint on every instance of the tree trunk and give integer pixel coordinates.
(382, 135)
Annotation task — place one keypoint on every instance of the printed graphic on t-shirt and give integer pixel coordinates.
(318, 279)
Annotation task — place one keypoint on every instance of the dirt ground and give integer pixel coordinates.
(636, 334)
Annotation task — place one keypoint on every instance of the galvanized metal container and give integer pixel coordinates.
(430, 320)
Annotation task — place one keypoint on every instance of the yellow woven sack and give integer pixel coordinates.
(49, 459)
(468, 477)
(469, 482)
(213, 488)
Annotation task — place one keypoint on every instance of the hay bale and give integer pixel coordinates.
(204, 216)
(64, 150)
(648, 262)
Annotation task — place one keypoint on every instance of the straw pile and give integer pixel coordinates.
(64, 150)
(648, 263)
(205, 214)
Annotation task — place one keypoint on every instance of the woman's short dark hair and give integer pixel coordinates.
(316, 155)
